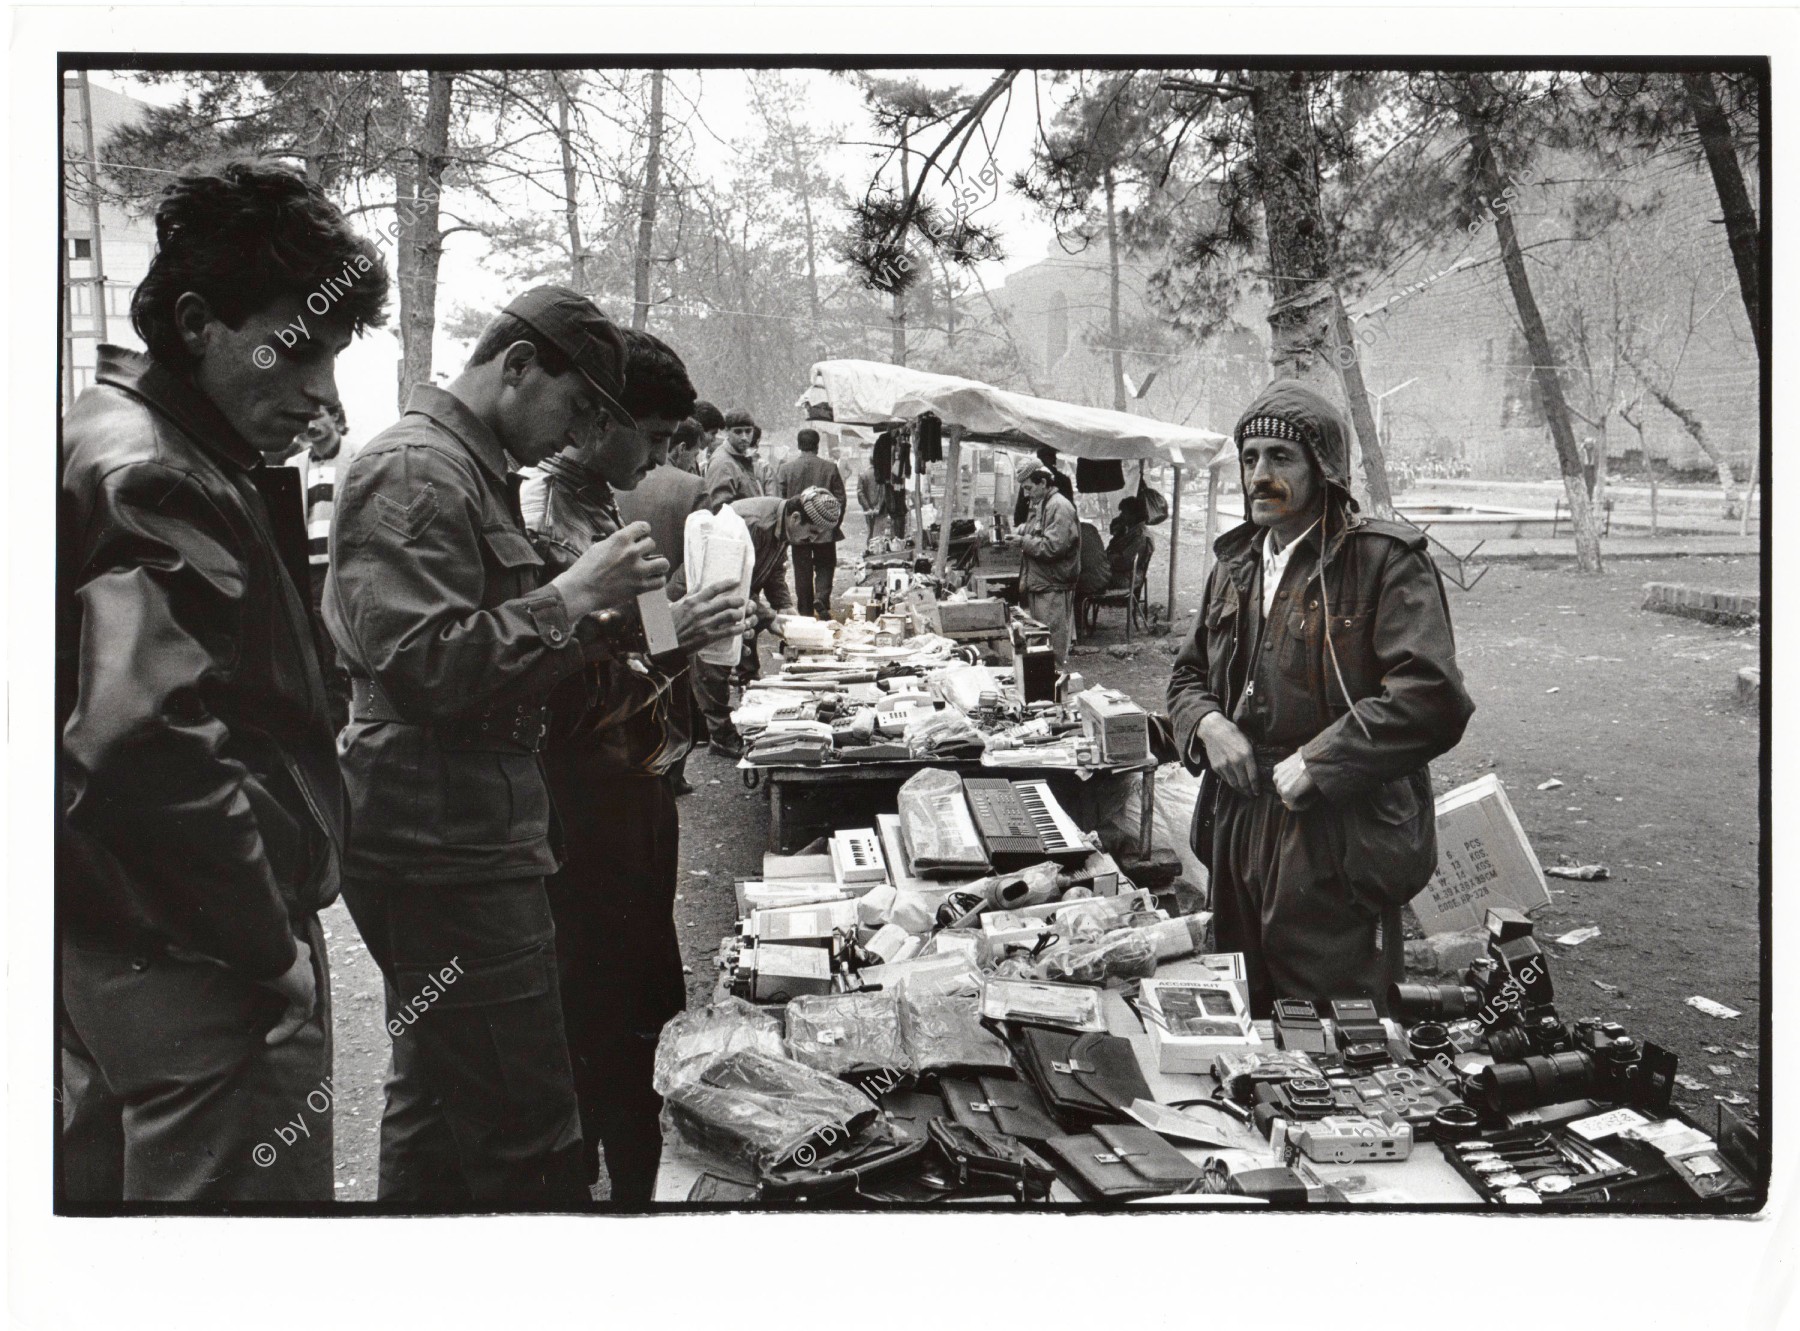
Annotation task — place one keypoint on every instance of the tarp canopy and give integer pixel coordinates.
(870, 392)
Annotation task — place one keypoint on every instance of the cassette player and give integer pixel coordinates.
(1352, 1140)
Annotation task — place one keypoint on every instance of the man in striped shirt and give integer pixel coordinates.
(317, 461)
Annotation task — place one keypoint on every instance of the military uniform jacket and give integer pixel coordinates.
(437, 605)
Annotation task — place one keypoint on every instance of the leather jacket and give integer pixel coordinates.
(623, 715)
(199, 799)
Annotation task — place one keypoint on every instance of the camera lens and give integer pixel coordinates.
(1504, 1087)
(1508, 1043)
(1408, 1003)
(1429, 1040)
(1560, 1077)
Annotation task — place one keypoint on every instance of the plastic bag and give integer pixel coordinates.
(936, 823)
(695, 1038)
(944, 733)
(768, 1110)
(717, 546)
(1031, 886)
(1124, 954)
(940, 1022)
(846, 1033)
(1171, 819)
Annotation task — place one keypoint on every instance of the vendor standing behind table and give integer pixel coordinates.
(774, 524)
(1064, 485)
(711, 422)
(454, 641)
(617, 730)
(1050, 550)
(1320, 681)
(731, 475)
(815, 565)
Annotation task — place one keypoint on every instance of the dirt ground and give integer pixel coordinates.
(1635, 712)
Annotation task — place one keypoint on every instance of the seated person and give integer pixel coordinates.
(1130, 540)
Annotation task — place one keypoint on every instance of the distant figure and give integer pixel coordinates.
(815, 565)
(1130, 539)
(711, 422)
(1050, 542)
(731, 475)
(1064, 485)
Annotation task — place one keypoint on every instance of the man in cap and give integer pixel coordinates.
(775, 524)
(1320, 681)
(454, 641)
(1050, 545)
(814, 565)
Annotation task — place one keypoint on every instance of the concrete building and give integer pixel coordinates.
(123, 247)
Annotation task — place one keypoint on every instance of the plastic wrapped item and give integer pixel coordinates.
(768, 1110)
(1124, 954)
(693, 1039)
(936, 825)
(717, 546)
(1031, 886)
(945, 733)
(844, 1034)
(940, 1022)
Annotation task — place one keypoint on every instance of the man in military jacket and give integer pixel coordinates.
(454, 642)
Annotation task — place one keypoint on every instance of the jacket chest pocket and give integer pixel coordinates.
(1351, 629)
(1221, 639)
(513, 567)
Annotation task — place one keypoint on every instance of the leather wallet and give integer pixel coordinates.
(1083, 1077)
(1017, 1110)
(1128, 1162)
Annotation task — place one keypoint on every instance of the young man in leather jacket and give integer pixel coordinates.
(1320, 681)
(200, 810)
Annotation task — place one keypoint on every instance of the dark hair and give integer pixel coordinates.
(737, 417)
(656, 382)
(808, 440)
(507, 329)
(244, 235)
(1047, 456)
(708, 416)
(687, 434)
(1132, 509)
(789, 507)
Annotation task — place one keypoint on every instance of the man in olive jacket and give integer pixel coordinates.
(455, 639)
(1320, 681)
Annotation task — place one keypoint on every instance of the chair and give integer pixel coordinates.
(1135, 598)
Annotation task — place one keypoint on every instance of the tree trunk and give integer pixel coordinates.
(420, 245)
(1299, 252)
(571, 217)
(1696, 429)
(899, 344)
(1741, 229)
(803, 185)
(640, 277)
(1537, 340)
(1309, 332)
(1112, 295)
(1374, 455)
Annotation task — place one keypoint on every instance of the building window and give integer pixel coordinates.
(118, 299)
(81, 247)
(1056, 329)
(81, 298)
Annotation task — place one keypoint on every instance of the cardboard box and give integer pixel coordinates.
(1483, 860)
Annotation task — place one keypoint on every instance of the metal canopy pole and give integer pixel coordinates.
(1174, 536)
(952, 461)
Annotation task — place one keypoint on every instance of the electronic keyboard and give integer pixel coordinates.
(1020, 823)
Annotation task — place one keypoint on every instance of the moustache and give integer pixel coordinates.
(1268, 492)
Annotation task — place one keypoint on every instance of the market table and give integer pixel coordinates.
(852, 786)
(1424, 1178)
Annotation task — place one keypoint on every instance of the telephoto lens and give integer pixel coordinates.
(1534, 1082)
(1408, 1003)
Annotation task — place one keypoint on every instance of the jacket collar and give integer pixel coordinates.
(1240, 549)
(177, 398)
(453, 414)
